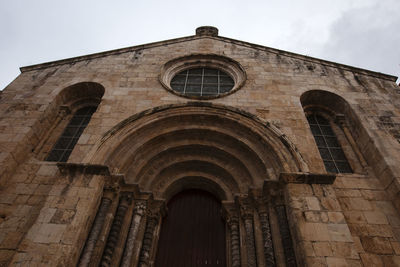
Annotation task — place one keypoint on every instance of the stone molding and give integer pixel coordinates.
(83, 168)
(307, 178)
(177, 65)
(222, 39)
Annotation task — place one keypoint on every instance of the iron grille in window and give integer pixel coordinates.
(202, 82)
(63, 148)
(332, 154)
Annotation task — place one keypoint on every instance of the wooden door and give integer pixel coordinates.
(193, 232)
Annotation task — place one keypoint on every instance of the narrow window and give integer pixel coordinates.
(331, 152)
(68, 139)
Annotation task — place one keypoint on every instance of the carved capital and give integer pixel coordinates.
(126, 198)
(246, 208)
(262, 205)
(140, 207)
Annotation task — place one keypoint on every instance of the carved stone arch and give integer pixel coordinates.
(248, 145)
(210, 172)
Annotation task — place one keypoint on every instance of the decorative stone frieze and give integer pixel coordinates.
(307, 178)
(73, 168)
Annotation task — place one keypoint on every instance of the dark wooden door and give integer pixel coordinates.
(193, 232)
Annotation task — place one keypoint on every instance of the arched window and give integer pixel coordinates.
(331, 152)
(66, 119)
(68, 139)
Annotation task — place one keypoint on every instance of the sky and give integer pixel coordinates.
(361, 33)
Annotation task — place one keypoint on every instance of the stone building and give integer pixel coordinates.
(199, 151)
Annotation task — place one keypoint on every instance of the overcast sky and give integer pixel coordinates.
(362, 33)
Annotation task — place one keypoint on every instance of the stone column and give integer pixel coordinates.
(148, 238)
(94, 232)
(114, 235)
(250, 244)
(266, 234)
(246, 210)
(233, 223)
(138, 212)
(286, 237)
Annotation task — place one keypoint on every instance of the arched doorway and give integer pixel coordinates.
(193, 232)
(223, 150)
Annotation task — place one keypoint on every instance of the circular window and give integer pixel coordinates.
(202, 76)
(202, 82)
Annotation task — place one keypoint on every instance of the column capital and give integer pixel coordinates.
(140, 207)
(126, 198)
(246, 207)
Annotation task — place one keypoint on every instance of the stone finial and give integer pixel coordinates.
(207, 31)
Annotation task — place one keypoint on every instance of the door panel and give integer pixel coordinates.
(193, 232)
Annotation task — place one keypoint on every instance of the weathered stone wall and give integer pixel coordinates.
(45, 216)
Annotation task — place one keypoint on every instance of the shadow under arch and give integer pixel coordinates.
(196, 182)
(80, 94)
(149, 142)
(330, 102)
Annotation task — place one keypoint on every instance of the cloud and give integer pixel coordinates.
(367, 37)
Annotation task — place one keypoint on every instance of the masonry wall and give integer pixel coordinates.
(354, 222)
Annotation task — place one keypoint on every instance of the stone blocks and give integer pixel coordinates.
(45, 214)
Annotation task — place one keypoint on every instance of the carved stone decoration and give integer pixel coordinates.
(286, 237)
(114, 235)
(138, 213)
(233, 223)
(94, 232)
(267, 238)
(147, 243)
(247, 215)
(251, 250)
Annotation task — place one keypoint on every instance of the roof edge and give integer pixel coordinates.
(316, 60)
(226, 39)
(106, 53)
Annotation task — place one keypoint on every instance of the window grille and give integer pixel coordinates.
(331, 152)
(202, 82)
(68, 139)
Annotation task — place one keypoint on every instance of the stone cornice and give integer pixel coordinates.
(219, 38)
(307, 178)
(72, 168)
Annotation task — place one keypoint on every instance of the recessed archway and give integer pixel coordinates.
(223, 144)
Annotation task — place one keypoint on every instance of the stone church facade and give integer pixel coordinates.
(199, 151)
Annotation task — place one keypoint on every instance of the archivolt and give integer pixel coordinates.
(221, 144)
